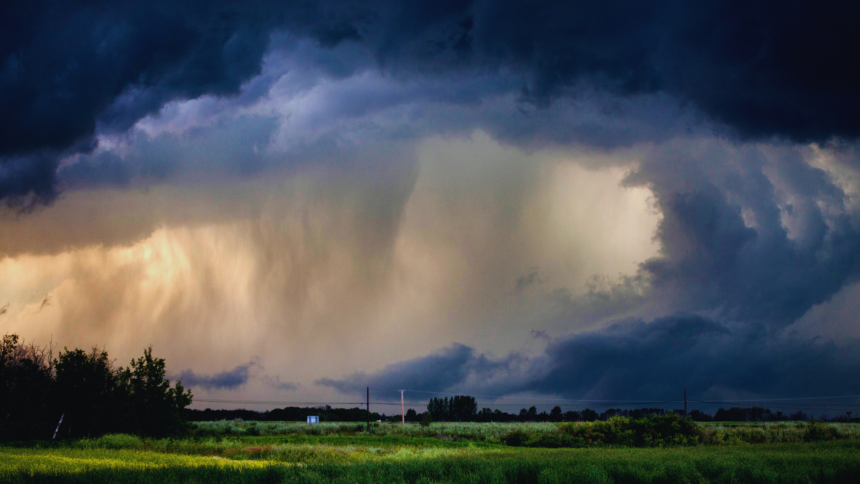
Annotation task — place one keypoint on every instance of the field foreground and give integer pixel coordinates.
(326, 459)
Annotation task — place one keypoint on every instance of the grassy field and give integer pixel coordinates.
(713, 432)
(395, 454)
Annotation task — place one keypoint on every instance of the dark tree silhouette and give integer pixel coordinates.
(87, 391)
(82, 394)
(26, 375)
(459, 408)
(154, 407)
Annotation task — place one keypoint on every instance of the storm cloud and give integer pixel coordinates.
(660, 190)
(756, 233)
(435, 372)
(635, 360)
(72, 71)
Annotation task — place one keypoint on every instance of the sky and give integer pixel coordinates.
(293, 201)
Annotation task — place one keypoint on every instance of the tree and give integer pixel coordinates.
(459, 408)
(439, 408)
(26, 376)
(555, 414)
(84, 388)
(427, 419)
(87, 387)
(700, 416)
(572, 416)
(485, 415)
(411, 415)
(588, 415)
(462, 408)
(155, 407)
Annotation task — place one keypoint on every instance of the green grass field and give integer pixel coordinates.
(391, 454)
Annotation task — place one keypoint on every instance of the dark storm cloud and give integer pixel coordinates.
(228, 379)
(762, 69)
(653, 360)
(69, 66)
(69, 70)
(28, 181)
(637, 360)
(749, 269)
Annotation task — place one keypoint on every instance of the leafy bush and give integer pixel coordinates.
(656, 431)
(816, 431)
(427, 419)
(517, 438)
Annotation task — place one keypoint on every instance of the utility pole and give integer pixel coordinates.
(402, 412)
(685, 402)
(368, 409)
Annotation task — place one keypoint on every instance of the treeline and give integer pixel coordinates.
(82, 394)
(459, 408)
(734, 414)
(751, 414)
(463, 408)
(326, 414)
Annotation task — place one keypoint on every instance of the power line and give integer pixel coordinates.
(263, 402)
(537, 399)
(794, 402)
(784, 399)
(634, 402)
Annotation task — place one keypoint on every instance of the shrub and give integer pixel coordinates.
(655, 431)
(816, 431)
(515, 438)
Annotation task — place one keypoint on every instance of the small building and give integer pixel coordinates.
(313, 419)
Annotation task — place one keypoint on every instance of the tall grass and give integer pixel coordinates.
(711, 433)
(449, 430)
(396, 454)
(831, 462)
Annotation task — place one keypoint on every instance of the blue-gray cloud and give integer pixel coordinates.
(435, 372)
(229, 380)
(234, 148)
(634, 360)
(725, 240)
(233, 379)
(275, 382)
